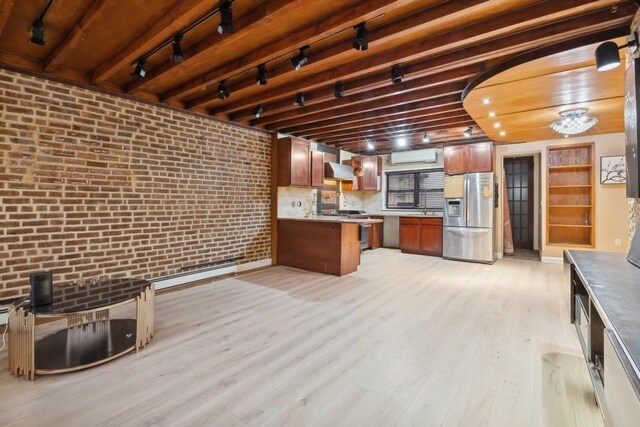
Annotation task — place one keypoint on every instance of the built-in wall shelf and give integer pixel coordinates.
(570, 196)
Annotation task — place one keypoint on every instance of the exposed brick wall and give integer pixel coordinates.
(94, 185)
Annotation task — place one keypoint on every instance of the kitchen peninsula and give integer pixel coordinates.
(324, 244)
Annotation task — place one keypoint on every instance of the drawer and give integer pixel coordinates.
(404, 220)
(431, 221)
(582, 327)
(620, 393)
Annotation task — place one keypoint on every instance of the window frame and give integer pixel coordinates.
(416, 189)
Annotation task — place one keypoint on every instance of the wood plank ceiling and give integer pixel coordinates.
(440, 46)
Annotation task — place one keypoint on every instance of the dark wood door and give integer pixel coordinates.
(454, 160)
(370, 177)
(410, 235)
(479, 157)
(300, 164)
(431, 236)
(519, 174)
(317, 169)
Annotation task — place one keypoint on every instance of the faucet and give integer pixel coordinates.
(424, 210)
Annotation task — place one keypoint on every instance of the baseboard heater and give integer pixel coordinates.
(218, 268)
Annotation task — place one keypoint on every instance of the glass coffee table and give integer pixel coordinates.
(90, 336)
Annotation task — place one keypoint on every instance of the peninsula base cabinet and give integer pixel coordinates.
(421, 235)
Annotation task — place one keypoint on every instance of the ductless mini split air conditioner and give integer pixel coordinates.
(415, 156)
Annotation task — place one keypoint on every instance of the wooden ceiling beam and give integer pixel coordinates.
(435, 103)
(445, 111)
(433, 119)
(96, 12)
(519, 19)
(392, 133)
(247, 24)
(432, 81)
(386, 33)
(171, 23)
(376, 104)
(5, 10)
(301, 36)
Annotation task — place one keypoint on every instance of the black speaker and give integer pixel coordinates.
(41, 288)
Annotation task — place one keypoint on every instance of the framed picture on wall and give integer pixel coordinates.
(613, 170)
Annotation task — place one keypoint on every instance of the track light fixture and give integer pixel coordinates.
(258, 110)
(261, 79)
(140, 71)
(223, 91)
(468, 132)
(608, 54)
(299, 100)
(37, 32)
(300, 58)
(396, 74)
(425, 137)
(177, 56)
(338, 90)
(226, 19)
(37, 28)
(361, 42)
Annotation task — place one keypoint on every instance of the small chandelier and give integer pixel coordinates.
(574, 121)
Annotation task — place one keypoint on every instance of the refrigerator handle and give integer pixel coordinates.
(496, 196)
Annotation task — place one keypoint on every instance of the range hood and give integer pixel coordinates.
(338, 172)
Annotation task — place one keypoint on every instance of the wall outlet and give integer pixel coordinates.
(293, 203)
(618, 242)
(299, 203)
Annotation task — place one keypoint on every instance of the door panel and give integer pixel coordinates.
(300, 163)
(409, 237)
(519, 174)
(454, 160)
(479, 197)
(474, 244)
(479, 157)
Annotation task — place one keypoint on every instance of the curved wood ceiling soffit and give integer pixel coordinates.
(525, 93)
(441, 45)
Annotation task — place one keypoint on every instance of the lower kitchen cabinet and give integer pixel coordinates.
(375, 233)
(421, 235)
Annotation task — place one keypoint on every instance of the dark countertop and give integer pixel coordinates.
(614, 284)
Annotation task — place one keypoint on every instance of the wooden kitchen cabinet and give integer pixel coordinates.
(471, 158)
(421, 235)
(317, 169)
(454, 163)
(371, 180)
(294, 163)
(375, 233)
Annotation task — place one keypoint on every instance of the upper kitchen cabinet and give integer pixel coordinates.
(294, 162)
(459, 159)
(317, 169)
(371, 179)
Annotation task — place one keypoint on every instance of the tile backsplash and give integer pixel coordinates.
(295, 202)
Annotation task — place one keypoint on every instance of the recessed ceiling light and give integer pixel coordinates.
(497, 125)
(502, 133)
(492, 113)
(486, 101)
(402, 141)
(566, 136)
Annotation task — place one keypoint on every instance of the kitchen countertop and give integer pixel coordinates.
(409, 214)
(329, 218)
(614, 284)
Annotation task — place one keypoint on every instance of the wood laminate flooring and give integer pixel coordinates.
(408, 340)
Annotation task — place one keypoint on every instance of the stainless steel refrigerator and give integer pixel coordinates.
(468, 218)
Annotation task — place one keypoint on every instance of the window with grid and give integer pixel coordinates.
(423, 189)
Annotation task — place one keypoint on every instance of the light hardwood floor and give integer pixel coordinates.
(407, 340)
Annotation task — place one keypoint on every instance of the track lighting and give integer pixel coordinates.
(226, 19)
(37, 32)
(402, 141)
(261, 79)
(223, 91)
(608, 54)
(299, 100)
(370, 145)
(300, 59)
(396, 74)
(258, 110)
(361, 42)
(425, 137)
(178, 55)
(338, 90)
(468, 132)
(140, 71)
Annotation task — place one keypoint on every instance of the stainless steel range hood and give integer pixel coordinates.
(338, 172)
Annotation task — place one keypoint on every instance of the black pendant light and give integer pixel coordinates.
(607, 56)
